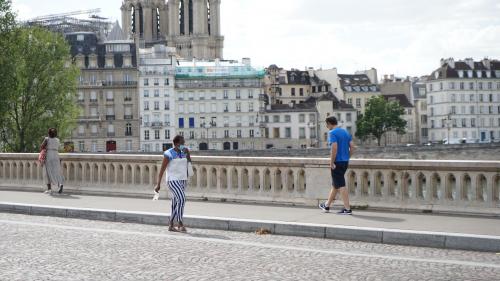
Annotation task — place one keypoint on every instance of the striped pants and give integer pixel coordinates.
(178, 199)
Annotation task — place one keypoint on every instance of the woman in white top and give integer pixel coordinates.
(52, 163)
(175, 160)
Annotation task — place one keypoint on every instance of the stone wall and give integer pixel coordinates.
(443, 185)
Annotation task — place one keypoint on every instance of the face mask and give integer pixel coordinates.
(181, 147)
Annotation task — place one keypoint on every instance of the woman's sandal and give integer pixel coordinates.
(182, 229)
(172, 229)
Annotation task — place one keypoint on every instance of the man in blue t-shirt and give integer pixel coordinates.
(342, 148)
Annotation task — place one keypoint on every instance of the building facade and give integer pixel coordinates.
(157, 97)
(219, 104)
(190, 26)
(107, 88)
(463, 99)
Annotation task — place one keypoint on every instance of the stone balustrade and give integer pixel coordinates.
(453, 185)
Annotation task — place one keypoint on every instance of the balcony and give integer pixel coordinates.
(128, 117)
(157, 124)
(110, 117)
(262, 97)
(119, 83)
(111, 134)
(89, 119)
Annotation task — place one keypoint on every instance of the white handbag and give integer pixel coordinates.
(190, 171)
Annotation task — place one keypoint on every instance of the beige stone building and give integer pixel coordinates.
(107, 92)
(357, 90)
(410, 116)
(191, 26)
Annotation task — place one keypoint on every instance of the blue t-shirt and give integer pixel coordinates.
(342, 138)
(171, 154)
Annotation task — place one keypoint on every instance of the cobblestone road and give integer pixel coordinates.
(42, 248)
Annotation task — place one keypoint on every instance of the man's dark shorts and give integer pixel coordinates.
(338, 174)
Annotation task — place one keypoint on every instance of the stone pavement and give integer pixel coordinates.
(386, 220)
(47, 248)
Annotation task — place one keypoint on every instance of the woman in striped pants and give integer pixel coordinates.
(175, 161)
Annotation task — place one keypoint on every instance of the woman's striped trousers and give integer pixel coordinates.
(178, 199)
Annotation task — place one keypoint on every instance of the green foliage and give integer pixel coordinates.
(37, 88)
(380, 117)
(7, 17)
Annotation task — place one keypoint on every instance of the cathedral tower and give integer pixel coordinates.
(192, 26)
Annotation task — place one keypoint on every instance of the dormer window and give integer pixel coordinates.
(479, 74)
(461, 73)
(470, 73)
(436, 74)
(488, 74)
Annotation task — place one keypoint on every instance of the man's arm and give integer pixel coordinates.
(351, 148)
(333, 155)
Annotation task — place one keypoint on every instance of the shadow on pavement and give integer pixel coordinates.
(378, 218)
(64, 196)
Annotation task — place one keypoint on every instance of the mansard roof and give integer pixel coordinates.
(467, 69)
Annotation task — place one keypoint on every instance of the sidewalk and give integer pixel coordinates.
(303, 220)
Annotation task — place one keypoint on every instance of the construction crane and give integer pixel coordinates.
(91, 13)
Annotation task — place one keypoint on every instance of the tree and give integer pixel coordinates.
(7, 17)
(380, 117)
(37, 88)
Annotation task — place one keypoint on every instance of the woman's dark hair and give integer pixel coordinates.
(178, 139)
(52, 133)
(332, 120)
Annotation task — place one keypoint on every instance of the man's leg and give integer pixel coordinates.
(344, 193)
(331, 198)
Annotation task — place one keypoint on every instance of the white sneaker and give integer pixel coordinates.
(48, 191)
(156, 196)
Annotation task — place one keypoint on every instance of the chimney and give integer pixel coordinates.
(487, 63)
(451, 62)
(470, 62)
(442, 62)
(246, 61)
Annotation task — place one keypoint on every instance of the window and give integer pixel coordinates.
(490, 98)
(473, 122)
(166, 94)
(453, 110)
(93, 111)
(157, 134)
(226, 134)
(157, 93)
(80, 37)
(276, 118)
(226, 94)
(250, 107)
(471, 98)
(191, 108)
(431, 100)
(167, 134)
(181, 122)
(349, 100)
(238, 94)
(252, 133)
(312, 118)
(471, 85)
(146, 135)
(128, 130)
(358, 102)
(301, 92)
(302, 133)
(191, 134)
(462, 86)
(146, 105)
(472, 109)
(166, 82)
(348, 117)
(451, 85)
(80, 96)
(156, 82)
(181, 108)
(93, 96)
(288, 118)
(214, 107)
(146, 82)
(191, 122)
(202, 108)
(453, 98)
(167, 105)
(127, 96)
(288, 133)
(250, 94)
(157, 105)
(238, 133)
(480, 85)
(293, 92)
(81, 146)
(238, 107)
(146, 93)
(226, 107)
(302, 118)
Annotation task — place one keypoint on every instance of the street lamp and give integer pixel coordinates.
(207, 126)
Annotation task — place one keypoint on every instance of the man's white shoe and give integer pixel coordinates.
(156, 196)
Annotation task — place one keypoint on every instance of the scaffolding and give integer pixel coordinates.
(67, 22)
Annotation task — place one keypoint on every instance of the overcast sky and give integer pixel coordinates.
(395, 36)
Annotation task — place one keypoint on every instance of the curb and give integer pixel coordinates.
(443, 240)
